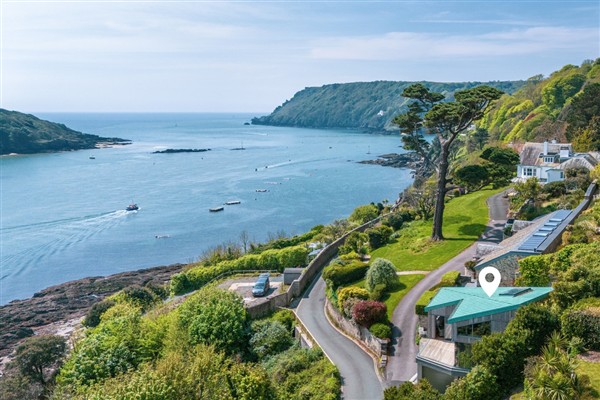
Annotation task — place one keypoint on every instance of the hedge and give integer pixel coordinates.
(423, 301)
(583, 321)
(351, 291)
(340, 275)
(197, 277)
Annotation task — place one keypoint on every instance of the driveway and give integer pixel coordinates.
(401, 365)
(357, 369)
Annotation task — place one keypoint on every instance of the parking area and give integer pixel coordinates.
(243, 286)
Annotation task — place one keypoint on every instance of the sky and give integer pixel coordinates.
(251, 56)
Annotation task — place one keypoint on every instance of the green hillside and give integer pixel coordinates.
(562, 106)
(362, 105)
(26, 134)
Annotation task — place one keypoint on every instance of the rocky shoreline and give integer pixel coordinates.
(404, 160)
(58, 309)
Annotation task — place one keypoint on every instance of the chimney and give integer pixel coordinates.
(545, 147)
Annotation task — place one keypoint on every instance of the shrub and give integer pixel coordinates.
(368, 312)
(35, 355)
(378, 292)
(216, 317)
(381, 271)
(538, 321)
(343, 274)
(379, 236)
(269, 338)
(449, 279)
(352, 292)
(533, 271)
(424, 301)
(285, 317)
(137, 296)
(420, 391)
(582, 320)
(555, 189)
(382, 331)
(92, 318)
(479, 384)
(348, 305)
(394, 221)
(364, 214)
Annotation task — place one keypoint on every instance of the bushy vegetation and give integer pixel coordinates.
(582, 320)
(381, 272)
(196, 277)
(408, 391)
(364, 214)
(565, 101)
(382, 331)
(205, 348)
(368, 312)
(339, 273)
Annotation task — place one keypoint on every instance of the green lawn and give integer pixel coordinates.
(593, 371)
(465, 219)
(393, 297)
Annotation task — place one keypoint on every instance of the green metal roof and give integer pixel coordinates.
(472, 302)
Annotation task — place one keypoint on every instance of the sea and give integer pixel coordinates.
(63, 214)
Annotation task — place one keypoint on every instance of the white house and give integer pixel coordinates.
(548, 161)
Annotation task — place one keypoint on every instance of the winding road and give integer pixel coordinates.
(356, 367)
(401, 365)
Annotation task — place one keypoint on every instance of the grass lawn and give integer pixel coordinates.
(465, 219)
(393, 297)
(593, 371)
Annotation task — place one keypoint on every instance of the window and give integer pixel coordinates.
(548, 159)
(479, 329)
(528, 171)
(562, 175)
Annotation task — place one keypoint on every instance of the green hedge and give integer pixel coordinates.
(423, 301)
(340, 275)
(583, 320)
(382, 331)
(197, 277)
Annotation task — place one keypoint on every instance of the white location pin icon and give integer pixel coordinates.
(489, 287)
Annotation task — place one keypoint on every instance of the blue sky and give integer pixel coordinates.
(217, 56)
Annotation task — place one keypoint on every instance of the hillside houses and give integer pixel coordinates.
(548, 161)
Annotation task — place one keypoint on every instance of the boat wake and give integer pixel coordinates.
(42, 240)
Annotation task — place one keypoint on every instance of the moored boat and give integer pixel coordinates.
(232, 202)
(216, 209)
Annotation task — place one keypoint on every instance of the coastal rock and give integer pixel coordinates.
(404, 160)
(68, 301)
(170, 151)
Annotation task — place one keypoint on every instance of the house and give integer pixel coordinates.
(541, 236)
(459, 316)
(548, 161)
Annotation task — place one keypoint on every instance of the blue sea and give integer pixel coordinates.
(63, 215)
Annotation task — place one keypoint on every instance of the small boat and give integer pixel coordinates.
(216, 209)
(92, 158)
(132, 207)
(261, 190)
(232, 202)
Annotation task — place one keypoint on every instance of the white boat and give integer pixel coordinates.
(232, 202)
(216, 209)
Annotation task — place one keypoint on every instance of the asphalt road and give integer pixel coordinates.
(401, 365)
(359, 380)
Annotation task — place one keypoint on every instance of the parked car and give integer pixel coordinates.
(261, 287)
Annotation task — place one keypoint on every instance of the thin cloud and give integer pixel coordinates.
(411, 45)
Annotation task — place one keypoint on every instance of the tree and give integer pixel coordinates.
(421, 198)
(479, 384)
(381, 271)
(473, 177)
(446, 121)
(481, 137)
(537, 321)
(37, 354)
(216, 317)
(364, 214)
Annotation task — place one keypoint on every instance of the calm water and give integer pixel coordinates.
(63, 217)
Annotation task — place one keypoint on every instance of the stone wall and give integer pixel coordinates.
(372, 344)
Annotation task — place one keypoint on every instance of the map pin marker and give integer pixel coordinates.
(489, 287)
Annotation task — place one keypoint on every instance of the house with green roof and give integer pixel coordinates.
(459, 316)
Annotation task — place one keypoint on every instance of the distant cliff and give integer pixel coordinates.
(26, 134)
(360, 105)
